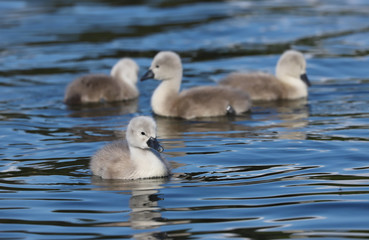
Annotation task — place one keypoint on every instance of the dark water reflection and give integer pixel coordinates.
(104, 109)
(291, 169)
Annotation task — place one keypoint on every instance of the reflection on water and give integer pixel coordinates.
(292, 117)
(104, 109)
(286, 170)
(143, 203)
(289, 116)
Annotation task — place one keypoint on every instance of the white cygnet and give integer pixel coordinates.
(93, 88)
(134, 158)
(290, 82)
(203, 101)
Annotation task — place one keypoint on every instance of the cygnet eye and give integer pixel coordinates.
(157, 66)
(143, 133)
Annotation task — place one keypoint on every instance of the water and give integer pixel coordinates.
(290, 170)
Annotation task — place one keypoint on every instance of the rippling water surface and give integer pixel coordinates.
(286, 170)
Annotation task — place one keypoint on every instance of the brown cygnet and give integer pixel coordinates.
(94, 88)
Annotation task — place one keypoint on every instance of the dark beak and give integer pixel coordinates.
(154, 144)
(305, 79)
(148, 75)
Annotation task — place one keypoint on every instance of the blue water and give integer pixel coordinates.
(287, 170)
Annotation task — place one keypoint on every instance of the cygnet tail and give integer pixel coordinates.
(73, 99)
(231, 111)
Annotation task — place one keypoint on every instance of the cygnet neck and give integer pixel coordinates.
(147, 163)
(130, 82)
(139, 155)
(124, 77)
(295, 87)
(166, 94)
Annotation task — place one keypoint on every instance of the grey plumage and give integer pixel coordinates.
(134, 157)
(93, 88)
(207, 101)
(290, 82)
(259, 86)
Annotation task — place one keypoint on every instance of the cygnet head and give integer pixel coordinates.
(141, 133)
(292, 64)
(166, 65)
(126, 69)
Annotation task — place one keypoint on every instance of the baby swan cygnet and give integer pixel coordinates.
(290, 82)
(134, 158)
(93, 88)
(204, 101)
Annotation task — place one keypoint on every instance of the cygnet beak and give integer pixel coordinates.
(148, 75)
(154, 144)
(305, 79)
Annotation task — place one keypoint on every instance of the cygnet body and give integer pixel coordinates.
(93, 88)
(203, 101)
(290, 82)
(134, 158)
